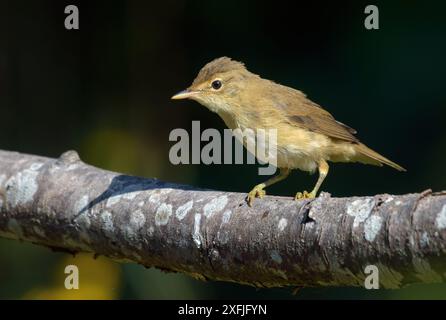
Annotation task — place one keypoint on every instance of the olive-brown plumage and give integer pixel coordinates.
(307, 135)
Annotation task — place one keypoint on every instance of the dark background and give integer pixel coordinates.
(105, 89)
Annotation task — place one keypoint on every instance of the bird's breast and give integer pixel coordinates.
(285, 145)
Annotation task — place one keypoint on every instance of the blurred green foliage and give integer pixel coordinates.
(104, 90)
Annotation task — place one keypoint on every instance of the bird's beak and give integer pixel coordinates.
(184, 94)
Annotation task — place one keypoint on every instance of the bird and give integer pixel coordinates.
(308, 136)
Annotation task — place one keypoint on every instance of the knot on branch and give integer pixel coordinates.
(69, 157)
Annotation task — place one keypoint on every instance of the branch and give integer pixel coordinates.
(66, 204)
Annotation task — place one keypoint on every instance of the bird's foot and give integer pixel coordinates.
(305, 195)
(256, 192)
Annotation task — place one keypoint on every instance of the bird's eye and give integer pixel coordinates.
(216, 84)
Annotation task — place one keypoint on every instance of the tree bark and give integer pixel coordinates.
(68, 205)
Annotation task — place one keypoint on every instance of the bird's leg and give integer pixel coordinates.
(323, 171)
(258, 191)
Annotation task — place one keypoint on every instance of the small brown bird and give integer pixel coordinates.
(307, 135)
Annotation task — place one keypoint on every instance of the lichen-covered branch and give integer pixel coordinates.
(66, 204)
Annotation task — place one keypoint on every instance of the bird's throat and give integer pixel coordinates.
(229, 119)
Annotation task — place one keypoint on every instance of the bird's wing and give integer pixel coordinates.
(302, 112)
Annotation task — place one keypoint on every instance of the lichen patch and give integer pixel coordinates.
(184, 209)
(157, 195)
(163, 214)
(360, 209)
(282, 224)
(389, 199)
(196, 235)
(372, 226)
(226, 216)
(440, 220)
(107, 221)
(137, 220)
(424, 240)
(215, 205)
(22, 186)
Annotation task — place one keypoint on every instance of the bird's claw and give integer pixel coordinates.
(304, 195)
(256, 192)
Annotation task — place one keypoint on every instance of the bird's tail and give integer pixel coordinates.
(369, 156)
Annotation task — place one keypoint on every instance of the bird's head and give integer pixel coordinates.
(218, 84)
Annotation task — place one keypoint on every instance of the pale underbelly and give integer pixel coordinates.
(295, 149)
